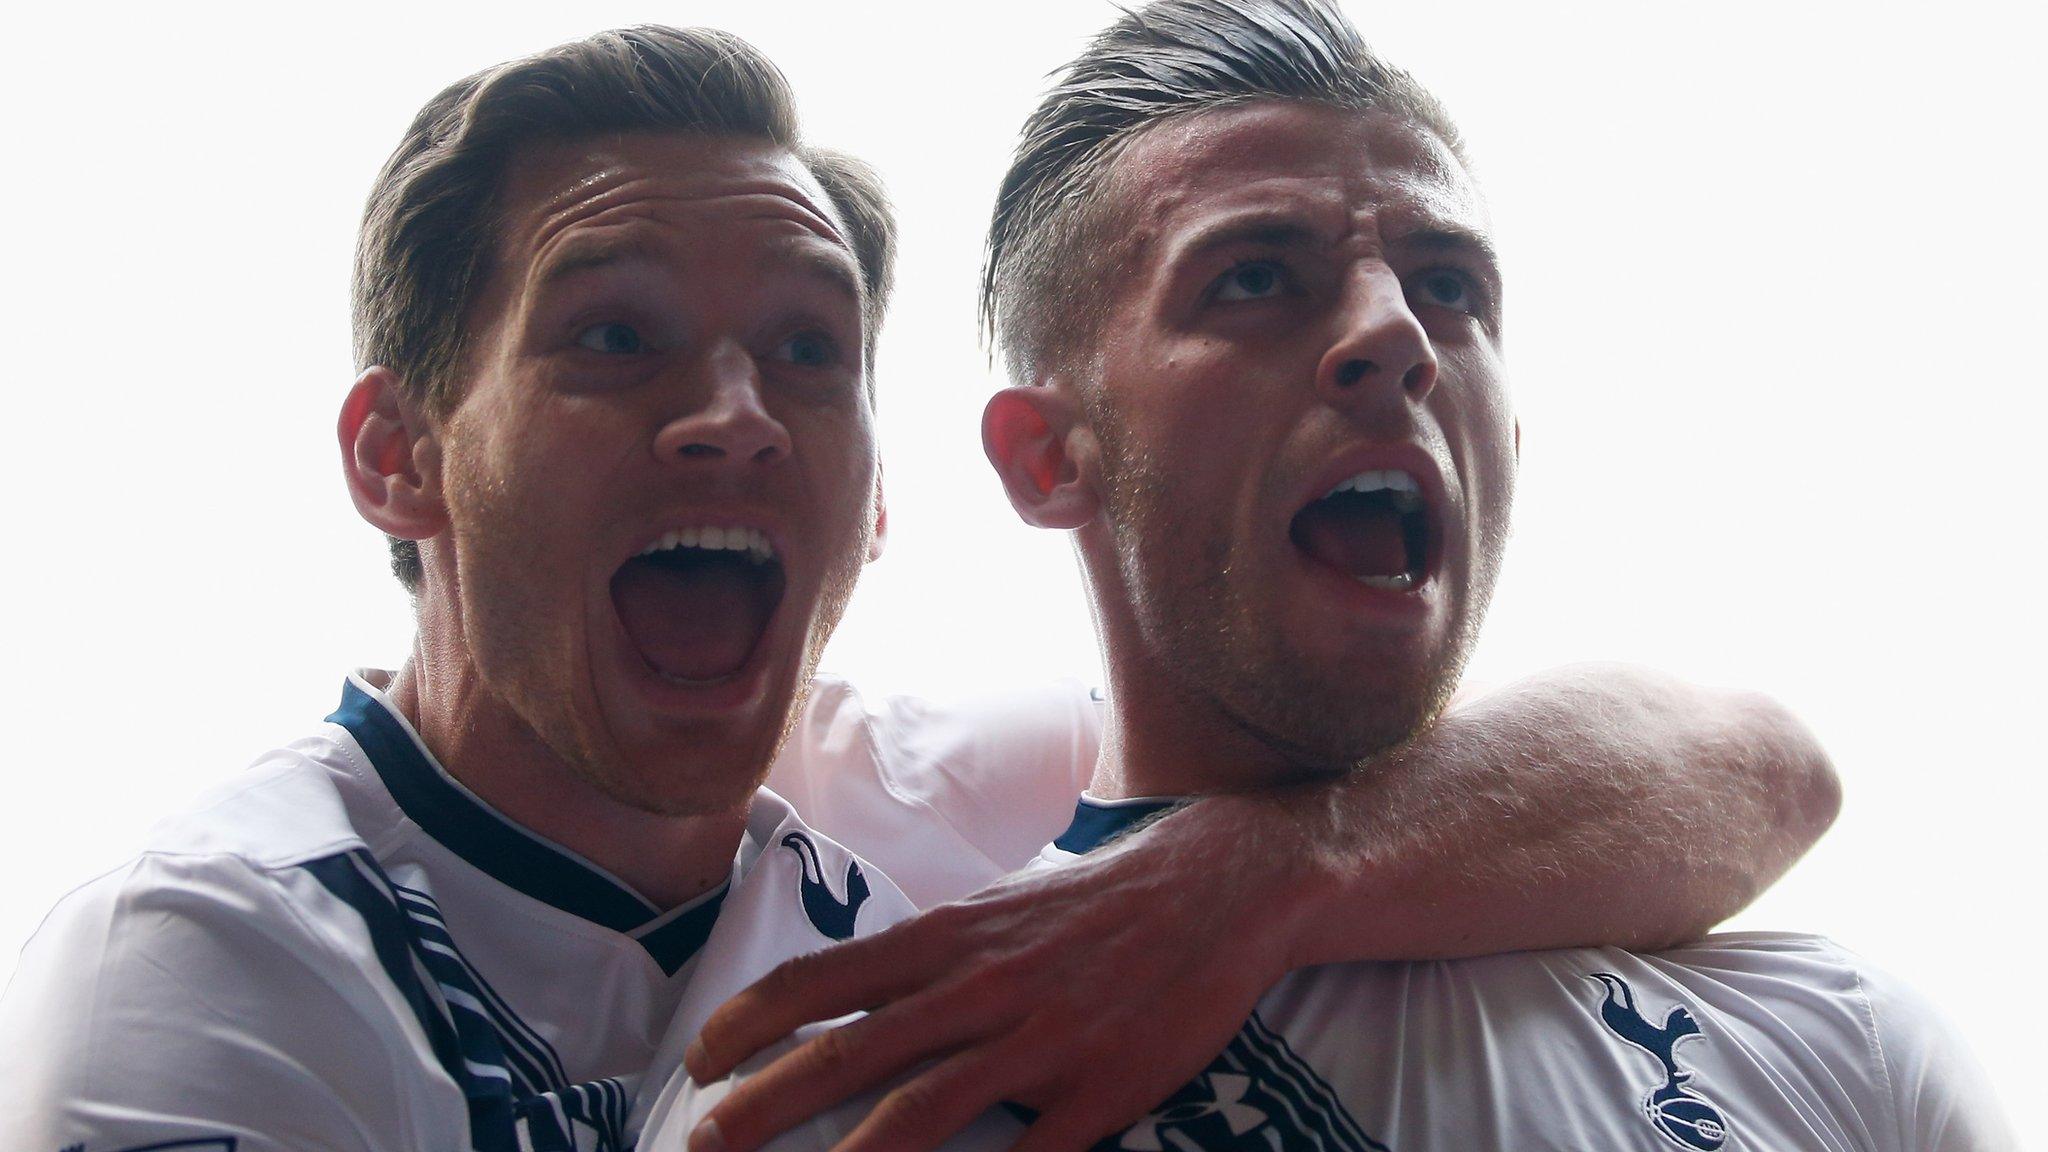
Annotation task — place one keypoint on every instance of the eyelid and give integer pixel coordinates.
(832, 343)
(1476, 286)
(1283, 275)
(584, 329)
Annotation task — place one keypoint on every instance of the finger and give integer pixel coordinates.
(836, 1064)
(919, 1114)
(1076, 1126)
(852, 977)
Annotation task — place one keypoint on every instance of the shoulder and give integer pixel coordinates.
(1918, 1063)
(1809, 986)
(1789, 1037)
(240, 865)
(797, 869)
(195, 993)
(1849, 1029)
(1938, 1092)
(291, 804)
(1799, 1003)
(1057, 724)
(948, 794)
(795, 891)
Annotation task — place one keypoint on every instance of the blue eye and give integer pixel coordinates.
(809, 350)
(1253, 280)
(1447, 288)
(617, 339)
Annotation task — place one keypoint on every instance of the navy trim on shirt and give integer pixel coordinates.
(672, 944)
(506, 852)
(462, 1039)
(1095, 823)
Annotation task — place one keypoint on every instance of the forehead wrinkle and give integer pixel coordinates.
(580, 240)
(643, 235)
(753, 201)
(644, 173)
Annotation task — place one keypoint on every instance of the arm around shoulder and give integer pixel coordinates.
(1593, 804)
(1589, 805)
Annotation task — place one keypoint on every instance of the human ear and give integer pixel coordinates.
(1044, 454)
(391, 458)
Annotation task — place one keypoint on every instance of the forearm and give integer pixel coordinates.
(1588, 805)
(1594, 804)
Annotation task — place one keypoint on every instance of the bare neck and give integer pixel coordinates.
(670, 860)
(1160, 740)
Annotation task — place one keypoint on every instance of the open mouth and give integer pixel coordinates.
(1373, 527)
(697, 602)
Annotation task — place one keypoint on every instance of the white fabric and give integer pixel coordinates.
(759, 928)
(273, 970)
(943, 797)
(1800, 1045)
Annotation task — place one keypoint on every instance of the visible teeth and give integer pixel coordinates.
(1393, 479)
(1399, 582)
(1407, 494)
(749, 540)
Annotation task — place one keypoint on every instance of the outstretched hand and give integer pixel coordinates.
(1087, 994)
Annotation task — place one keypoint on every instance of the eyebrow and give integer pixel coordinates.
(833, 271)
(578, 256)
(1443, 238)
(1282, 230)
(1265, 229)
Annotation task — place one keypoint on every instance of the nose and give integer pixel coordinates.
(731, 423)
(1377, 346)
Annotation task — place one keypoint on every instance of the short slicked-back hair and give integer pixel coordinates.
(430, 229)
(1054, 222)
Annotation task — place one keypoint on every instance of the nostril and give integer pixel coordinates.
(1352, 371)
(702, 451)
(1418, 378)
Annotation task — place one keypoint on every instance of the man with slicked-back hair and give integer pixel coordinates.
(1244, 286)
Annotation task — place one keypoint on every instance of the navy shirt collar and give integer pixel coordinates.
(508, 853)
(1096, 822)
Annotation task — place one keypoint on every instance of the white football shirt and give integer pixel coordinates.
(1758, 1041)
(345, 949)
(1762, 1041)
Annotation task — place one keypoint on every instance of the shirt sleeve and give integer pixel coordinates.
(1942, 1098)
(195, 1003)
(944, 796)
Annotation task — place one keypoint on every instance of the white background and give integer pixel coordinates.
(1774, 313)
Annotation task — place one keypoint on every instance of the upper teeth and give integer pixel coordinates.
(1407, 493)
(748, 540)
